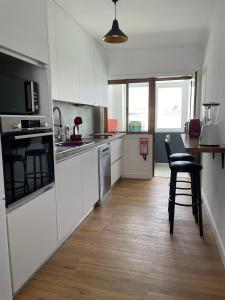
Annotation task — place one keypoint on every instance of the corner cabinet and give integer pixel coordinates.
(78, 64)
(32, 232)
(23, 26)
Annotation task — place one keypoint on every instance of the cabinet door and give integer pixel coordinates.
(5, 280)
(23, 26)
(86, 70)
(116, 171)
(116, 150)
(90, 180)
(32, 232)
(68, 196)
(67, 54)
(51, 8)
(100, 77)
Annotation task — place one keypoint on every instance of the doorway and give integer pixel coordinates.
(174, 106)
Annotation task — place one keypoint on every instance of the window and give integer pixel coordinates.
(117, 107)
(173, 105)
(148, 104)
(138, 102)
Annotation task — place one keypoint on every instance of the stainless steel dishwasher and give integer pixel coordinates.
(104, 161)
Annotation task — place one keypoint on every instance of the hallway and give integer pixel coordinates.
(123, 251)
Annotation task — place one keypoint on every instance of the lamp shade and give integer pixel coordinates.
(115, 35)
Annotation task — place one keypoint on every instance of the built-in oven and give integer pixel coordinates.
(28, 156)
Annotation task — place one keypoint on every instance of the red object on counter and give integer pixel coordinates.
(194, 129)
(76, 137)
(78, 121)
(113, 125)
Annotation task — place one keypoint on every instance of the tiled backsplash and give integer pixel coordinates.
(70, 111)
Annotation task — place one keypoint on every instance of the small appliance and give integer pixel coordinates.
(209, 134)
(194, 128)
(19, 96)
(76, 136)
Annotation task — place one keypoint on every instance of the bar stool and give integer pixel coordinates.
(194, 170)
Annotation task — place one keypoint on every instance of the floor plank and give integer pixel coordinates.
(123, 251)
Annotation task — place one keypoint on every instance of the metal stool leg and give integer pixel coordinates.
(194, 196)
(172, 199)
(199, 203)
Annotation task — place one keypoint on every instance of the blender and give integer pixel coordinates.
(209, 134)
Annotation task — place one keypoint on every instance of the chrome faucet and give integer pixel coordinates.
(59, 126)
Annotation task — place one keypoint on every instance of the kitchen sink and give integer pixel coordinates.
(69, 145)
(73, 144)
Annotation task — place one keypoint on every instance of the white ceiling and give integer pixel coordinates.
(148, 23)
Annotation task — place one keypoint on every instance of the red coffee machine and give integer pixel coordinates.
(194, 129)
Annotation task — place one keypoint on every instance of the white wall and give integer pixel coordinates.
(155, 62)
(213, 177)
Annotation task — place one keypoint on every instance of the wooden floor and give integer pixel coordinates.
(123, 251)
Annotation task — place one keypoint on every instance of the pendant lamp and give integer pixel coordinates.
(115, 35)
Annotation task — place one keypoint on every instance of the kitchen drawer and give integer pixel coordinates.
(116, 171)
(116, 150)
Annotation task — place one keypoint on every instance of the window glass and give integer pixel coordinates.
(174, 105)
(169, 110)
(138, 104)
(117, 107)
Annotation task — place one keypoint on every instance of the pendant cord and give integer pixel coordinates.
(115, 10)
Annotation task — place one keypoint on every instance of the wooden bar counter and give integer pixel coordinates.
(192, 145)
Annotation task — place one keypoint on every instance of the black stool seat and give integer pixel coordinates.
(185, 166)
(181, 156)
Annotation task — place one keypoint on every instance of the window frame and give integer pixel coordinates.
(152, 97)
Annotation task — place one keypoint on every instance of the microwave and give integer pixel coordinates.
(18, 96)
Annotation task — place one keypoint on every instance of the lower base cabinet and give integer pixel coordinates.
(90, 180)
(5, 279)
(116, 171)
(76, 191)
(32, 231)
(68, 195)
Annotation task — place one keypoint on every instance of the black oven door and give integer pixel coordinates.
(28, 163)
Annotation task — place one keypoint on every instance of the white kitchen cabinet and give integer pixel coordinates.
(86, 69)
(134, 166)
(116, 149)
(78, 64)
(116, 160)
(52, 14)
(68, 196)
(90, 180)
(100, 77)
(116, 171)
(23, 26)
(5, 279)
(32, 232)
(68, 54)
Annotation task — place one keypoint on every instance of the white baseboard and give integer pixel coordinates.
(214, 227)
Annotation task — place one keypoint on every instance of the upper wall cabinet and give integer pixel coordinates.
(78, 64)
(23, 26)
(100, 77)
